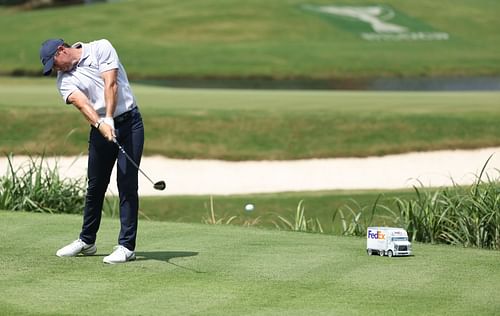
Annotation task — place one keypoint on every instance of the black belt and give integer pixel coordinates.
(124, 117)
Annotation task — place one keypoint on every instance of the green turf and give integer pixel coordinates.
(249, 124)
(260, 38)
(220, 270)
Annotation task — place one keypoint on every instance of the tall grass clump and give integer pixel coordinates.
(468, 216)
(355, 219)
(299, 222)
(212, 218)
(35, 187)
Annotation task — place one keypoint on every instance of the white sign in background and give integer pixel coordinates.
(378, 18)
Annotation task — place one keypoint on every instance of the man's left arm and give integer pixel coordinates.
(110, 90)
(108, 67)
(110, 94)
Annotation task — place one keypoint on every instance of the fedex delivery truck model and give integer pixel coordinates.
(388, 241)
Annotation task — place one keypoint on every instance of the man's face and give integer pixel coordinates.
(62, 59)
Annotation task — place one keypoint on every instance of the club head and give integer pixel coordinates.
(160, 185)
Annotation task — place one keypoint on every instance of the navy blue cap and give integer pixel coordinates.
(47, 52)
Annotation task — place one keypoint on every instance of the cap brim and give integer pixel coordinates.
(47, 69)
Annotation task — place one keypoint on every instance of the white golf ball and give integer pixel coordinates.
(249, 207)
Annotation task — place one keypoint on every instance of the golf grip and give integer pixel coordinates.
(131, 160)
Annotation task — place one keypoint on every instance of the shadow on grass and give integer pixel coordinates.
(163, 255)
(166, 256)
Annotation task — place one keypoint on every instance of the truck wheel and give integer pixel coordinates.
(389, 253)
(369, 252)
(381, 253)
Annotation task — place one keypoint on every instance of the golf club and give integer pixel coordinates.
(160, 185)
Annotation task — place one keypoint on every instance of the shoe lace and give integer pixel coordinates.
(122, 251)
(77, 244)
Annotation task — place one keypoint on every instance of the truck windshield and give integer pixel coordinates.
(399, 238)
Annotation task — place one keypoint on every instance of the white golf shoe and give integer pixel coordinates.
(119, 255)
(75, 248)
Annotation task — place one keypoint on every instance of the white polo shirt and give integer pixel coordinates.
(97, 57)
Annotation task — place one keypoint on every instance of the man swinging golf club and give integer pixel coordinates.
(91, 77)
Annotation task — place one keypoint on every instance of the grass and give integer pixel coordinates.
(283, 125)
(37, 187)
(219, 270)
(468, 216)
(258, 38)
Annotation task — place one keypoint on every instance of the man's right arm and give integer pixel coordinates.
(82, 103)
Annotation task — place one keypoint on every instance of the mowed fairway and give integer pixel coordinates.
(257, 124)
(261, 38)
(224, 270)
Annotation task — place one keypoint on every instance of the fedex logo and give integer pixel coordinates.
(376, 234)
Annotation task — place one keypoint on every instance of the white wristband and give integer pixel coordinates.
(109, 121)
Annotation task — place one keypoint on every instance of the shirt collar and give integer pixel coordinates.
(85, 51)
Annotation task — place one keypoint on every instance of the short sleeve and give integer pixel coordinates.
(107, 58)
(65, 87)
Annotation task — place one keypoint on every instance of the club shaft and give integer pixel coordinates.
(131, 160)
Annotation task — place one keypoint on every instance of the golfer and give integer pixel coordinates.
(91, 77)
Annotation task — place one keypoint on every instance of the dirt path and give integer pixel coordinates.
(204, 177)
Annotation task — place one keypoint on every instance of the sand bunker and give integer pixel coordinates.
(205, 177)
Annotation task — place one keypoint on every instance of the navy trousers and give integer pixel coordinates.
(102, 157)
